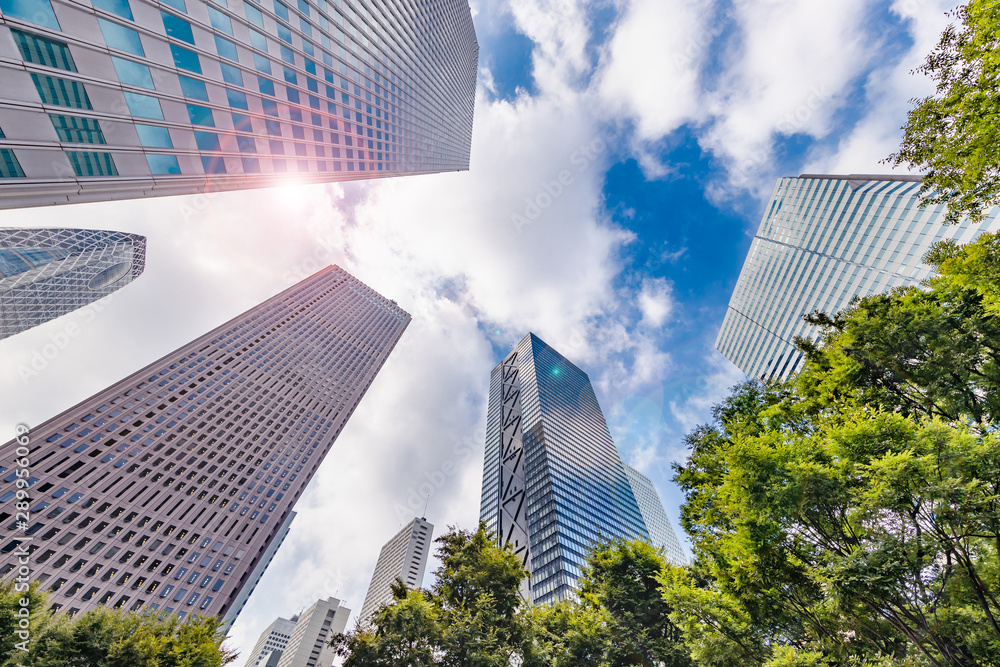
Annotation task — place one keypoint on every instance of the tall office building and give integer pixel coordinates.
(309, 644)
(169, 489)
(271, 643)
(661, 533)
(403, 557)
(45, 273)
(114, 99)
(824, 240)
(543, 417)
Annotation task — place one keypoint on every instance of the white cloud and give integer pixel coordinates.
(655, 301)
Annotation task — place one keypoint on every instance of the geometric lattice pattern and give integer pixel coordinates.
(576, 490)
(824, 240)
(45, 273)
(169, 490)
(512, 526)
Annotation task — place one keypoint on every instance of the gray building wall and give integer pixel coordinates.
(404, 556)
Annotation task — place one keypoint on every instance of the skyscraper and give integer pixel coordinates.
(574, 490)
(822, 241)
(405, 557)
(661, 533)
(272, 641)
(309, 644)
(169, 489)
(45, 273)
(136, 98)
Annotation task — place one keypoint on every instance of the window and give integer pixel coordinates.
(200, 116)
(207, 141)
(77, 130)
(266, 87)
(251, 165)
(92, 164)
(119, 7)
(258, 41)
(61, 92)
(143, 106)
(163, 165)
(193, 88)
(280, 9)
(153, 136)
(220, 21)
(213, 164)
(42, 51)
(176, 4)
(231, 75)
(246, 144)
(9, 168)
(132, 73)
(177, 28)
(119, 37)
(38, 12)
(254, 15)
(237, 100)
(226, 49)
(185, 59)
(261, 63)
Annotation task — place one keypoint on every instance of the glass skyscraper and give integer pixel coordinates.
(824, 240)
(45, 273)
(575, 490)
(171, 489)
(661, 533)
(112, 99)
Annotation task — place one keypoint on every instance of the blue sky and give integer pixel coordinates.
(667, 121)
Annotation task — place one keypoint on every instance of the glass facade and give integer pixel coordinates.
(248, 93)
(661, 533)
(577, 491)
(823, 241)
(45, 273)
(171, 490)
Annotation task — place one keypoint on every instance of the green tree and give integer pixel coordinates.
(954, 135)
(847, 535)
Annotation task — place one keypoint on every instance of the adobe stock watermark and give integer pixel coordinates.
(431, 482)
(22, 473)
(552, 189)
(60, 340)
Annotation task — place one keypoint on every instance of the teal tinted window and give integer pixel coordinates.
(226, 49)
(9, 166)
(119, 7)
(220, 21)
(303, 7)
(176, 4)
(61, 92)
(262, 63)
(177, 28)
(266, 86)
(231, 75)
(163, 165)
(86, 163)
(119, 37)
(200, 115)
(254, 15)
(246, 144)
(237, 100)
(213, 164)
(76, 129)
(284, 33)
(144, 106)
(38, 12)
(258, 41)
(290, 76)
(207, 141)
(132, 73)
(185, 59)
(287, 55)
(270, 107)
(193, 88)
(242, 122)
(308, 47)
(310, 67)
(153, 136)
(42, 51)
(280, 9)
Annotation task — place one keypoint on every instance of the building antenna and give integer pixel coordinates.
(426, 500)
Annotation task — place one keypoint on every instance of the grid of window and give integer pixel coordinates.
(87, 163)
(9, 166)
(343, 89)
(77, 129)
(823, 241)
(182, 476)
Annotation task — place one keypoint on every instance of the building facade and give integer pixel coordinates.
(169, 489)
(405, 557)
(661, 532)
(114, 99)
(824, 240)
(272, 642)
(575, 490)
(309, 644)
(45, 273)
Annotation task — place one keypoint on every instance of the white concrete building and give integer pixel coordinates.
(404, 556)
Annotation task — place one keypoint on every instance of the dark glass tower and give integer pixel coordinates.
(171, 489)
(45, 273)
(575, 487)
